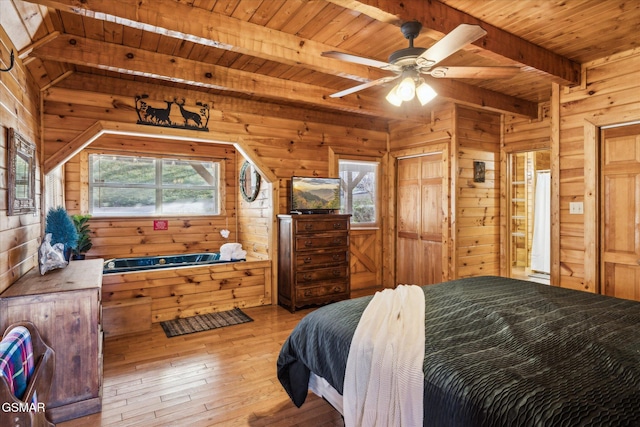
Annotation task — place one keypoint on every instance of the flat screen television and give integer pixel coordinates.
(311, 195)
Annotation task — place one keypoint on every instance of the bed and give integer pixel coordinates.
(498, 352)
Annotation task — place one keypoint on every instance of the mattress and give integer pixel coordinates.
(498, 352)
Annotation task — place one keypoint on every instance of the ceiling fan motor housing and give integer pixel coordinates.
(406, 57)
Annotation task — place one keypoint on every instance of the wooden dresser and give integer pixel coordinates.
(64, 305)
(313, 259)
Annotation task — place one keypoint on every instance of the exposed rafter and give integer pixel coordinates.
(127, 60)
(497, 43)
(228, 33)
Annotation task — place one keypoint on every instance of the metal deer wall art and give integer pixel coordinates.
(167, 116)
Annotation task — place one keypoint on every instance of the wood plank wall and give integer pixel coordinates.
(255, 221)
(287, 141)
(127, 237)
(408, 139)
(610, 95)
(19, 109)
(477, 204)
(473, 217)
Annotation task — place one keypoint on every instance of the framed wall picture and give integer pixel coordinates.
(21, 161)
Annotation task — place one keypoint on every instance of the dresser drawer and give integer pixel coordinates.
(334, 240)
(339, 224)
(331, 273)
(320, 291)
(315, 259)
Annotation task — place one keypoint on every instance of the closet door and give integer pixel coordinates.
(620, 214)
(420, 213)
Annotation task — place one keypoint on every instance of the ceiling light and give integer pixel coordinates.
(425, 93)
(393, 97)
(406, 89)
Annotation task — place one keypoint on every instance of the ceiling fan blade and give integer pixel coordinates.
(372, 83)
(461, 36)
(473, 72)
(356, 59)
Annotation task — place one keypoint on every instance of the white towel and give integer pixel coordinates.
(384, 382)
(232, 251)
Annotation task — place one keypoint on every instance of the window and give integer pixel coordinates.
(147, 186)
(359, 193)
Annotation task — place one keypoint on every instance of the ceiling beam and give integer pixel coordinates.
(497, 43)
(180, 20)
(127, 60)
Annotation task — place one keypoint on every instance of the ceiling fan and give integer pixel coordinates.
(410, 63)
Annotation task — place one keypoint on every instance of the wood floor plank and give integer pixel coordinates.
(224, 377)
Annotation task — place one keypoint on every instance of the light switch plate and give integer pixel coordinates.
(576, 208)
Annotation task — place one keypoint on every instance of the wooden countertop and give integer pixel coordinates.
(77, 275)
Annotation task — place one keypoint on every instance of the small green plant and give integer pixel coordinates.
(61, 227)
(84, 234)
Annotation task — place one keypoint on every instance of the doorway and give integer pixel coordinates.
(529, 216)
(421, 208)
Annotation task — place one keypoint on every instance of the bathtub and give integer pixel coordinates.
(124, 265)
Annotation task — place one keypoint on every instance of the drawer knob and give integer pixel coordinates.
(336, 257)
(337, 289)
(307, 276)
(308, 226)
(336, 272)
(308, 243)
(337, 225)
(308, 293)
(307, 260)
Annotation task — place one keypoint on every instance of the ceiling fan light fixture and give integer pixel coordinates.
(393, 97)
(425, 93)
(406, 89)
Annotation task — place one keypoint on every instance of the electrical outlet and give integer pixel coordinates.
(576, 208)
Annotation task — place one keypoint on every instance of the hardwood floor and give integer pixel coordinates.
(224, 377)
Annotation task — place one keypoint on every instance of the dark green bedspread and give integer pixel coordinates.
(499, 352)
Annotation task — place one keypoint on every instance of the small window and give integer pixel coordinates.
(147, 186)
(359, 192)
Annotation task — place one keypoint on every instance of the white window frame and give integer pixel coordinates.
(217, 186)
(376, 198)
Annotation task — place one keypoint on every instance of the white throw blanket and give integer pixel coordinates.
(384, 382)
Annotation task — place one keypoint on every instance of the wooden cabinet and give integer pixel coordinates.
(313, 259)
(65, 307)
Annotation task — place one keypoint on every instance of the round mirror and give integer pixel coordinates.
(249, 182)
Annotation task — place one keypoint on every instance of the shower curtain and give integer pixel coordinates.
(541, 245)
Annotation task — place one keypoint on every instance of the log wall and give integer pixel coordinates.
(115, 237)
(472, 230)
(20, 110)
(281, 141)
(477, 204)
(610, 95)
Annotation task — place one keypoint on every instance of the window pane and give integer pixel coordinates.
(185, 172)
(358, 196)
(138, 186)
(123, 201)
(123, 170)
(181, 201)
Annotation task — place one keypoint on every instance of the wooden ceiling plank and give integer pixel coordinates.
(285, 14)
(442, 18)
(72, 23)
(178, 20)
(73, 147)
(12, 23)
(265, 11)
(169, 68)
